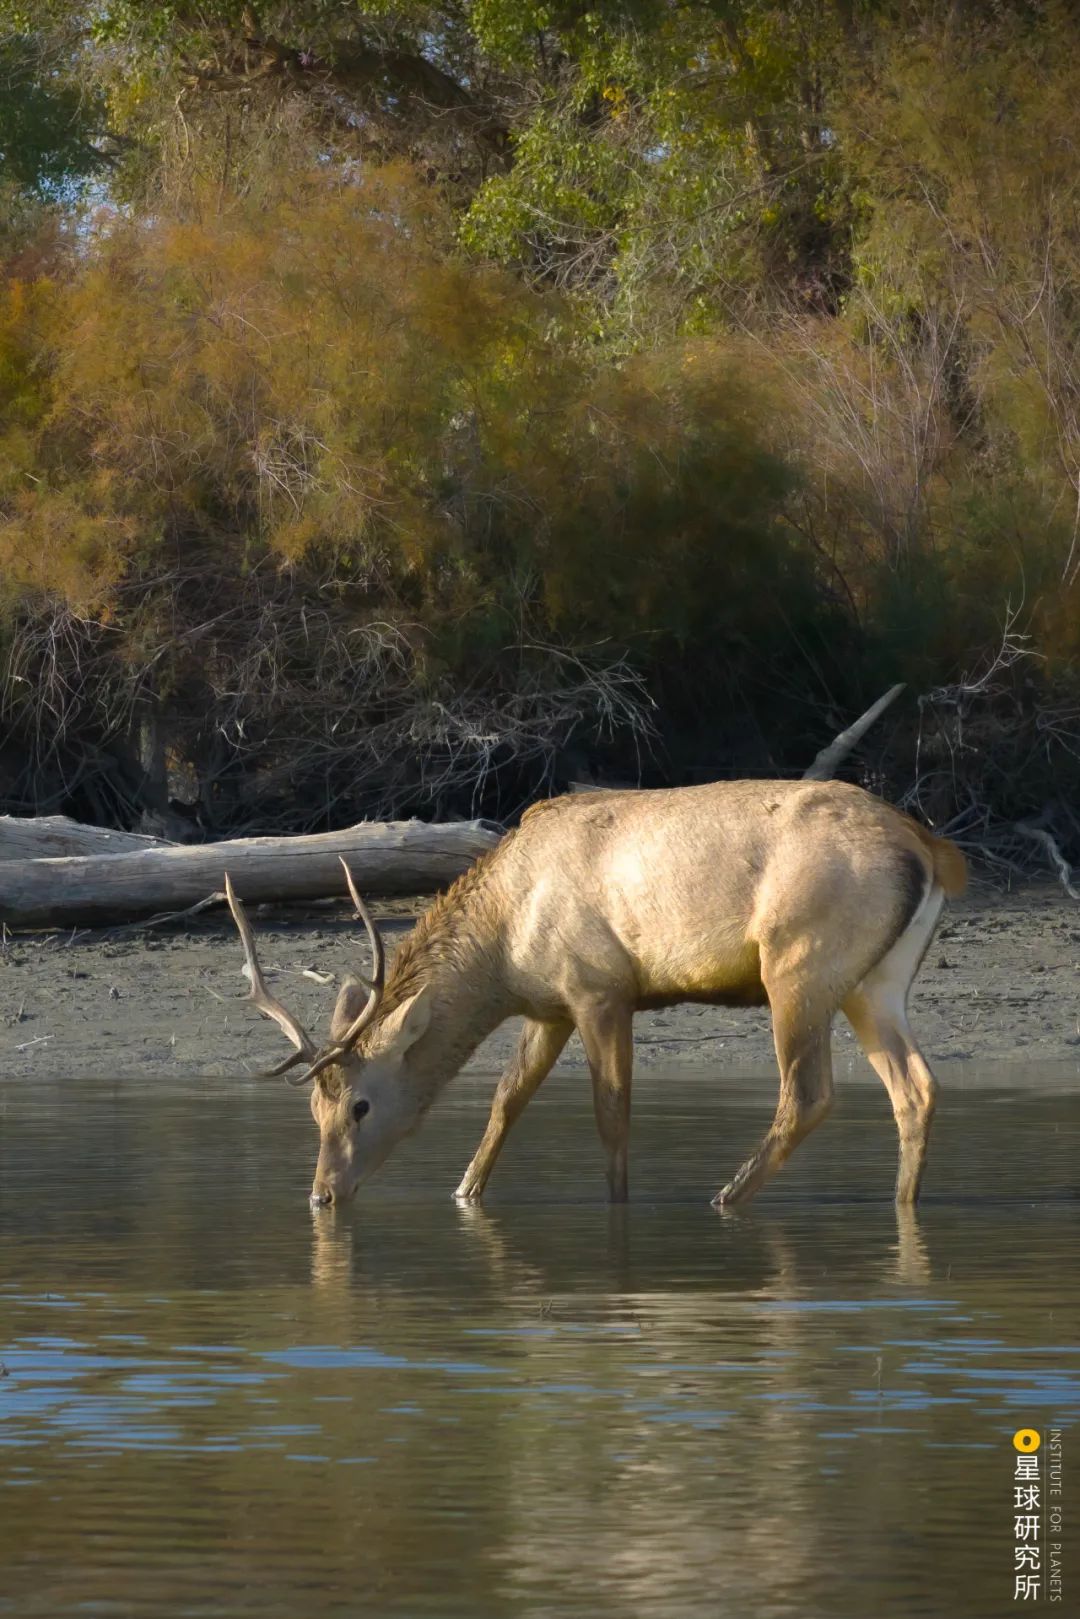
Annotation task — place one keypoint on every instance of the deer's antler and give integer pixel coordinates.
(306, 1049)
(375, 986)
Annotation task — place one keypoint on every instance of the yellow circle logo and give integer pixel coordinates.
(1026, 1439)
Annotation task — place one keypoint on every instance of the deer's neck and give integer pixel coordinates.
(463, 1015)
(469, 998)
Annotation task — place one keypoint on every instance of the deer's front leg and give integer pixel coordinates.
(606, 1031)
(538, 1047)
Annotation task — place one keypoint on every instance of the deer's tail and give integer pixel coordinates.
(950, 866)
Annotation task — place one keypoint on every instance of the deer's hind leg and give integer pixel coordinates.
(606, 1031)
(538, 1048)
(877, 1011)
(802, 1035)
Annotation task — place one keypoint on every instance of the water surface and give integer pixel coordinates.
(216, 1403)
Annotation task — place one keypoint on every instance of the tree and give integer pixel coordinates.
(631, 153)
(52, 136)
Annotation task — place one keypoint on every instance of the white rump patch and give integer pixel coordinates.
(887, 984)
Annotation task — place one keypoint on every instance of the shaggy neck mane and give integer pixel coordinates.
(460, 927)
(456, 949)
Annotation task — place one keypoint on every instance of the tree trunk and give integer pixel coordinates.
(387, 857)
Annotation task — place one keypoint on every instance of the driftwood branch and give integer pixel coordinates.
(1039, 834)
(831, 758)
(165, 918)
(387, 857)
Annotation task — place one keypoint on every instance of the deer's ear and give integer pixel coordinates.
(352, 998)
(403, 1027)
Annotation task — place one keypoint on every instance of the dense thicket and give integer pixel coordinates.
(410, 407)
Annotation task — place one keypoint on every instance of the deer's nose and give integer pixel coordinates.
(321, 1195)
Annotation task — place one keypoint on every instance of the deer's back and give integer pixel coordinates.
(671, 895)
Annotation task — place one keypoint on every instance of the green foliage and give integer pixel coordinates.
(632, 153)
(47, 128)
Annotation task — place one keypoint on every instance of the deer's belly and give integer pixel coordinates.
(729, 977)
(746, 994)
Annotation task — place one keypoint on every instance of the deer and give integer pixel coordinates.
(813, 897)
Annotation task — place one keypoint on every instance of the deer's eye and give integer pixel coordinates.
(360, 1108)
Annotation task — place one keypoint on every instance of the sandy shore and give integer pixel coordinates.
(1001, 982)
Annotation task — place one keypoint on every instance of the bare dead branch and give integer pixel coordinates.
(1061, 865)
(832, 757)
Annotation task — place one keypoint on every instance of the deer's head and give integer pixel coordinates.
(360, 1099)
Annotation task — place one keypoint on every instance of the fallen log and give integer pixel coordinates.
(386, 857)
(41, 837)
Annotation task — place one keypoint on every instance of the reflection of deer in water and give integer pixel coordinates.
(499, 1257)
(684, 1339)
(811, 896)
